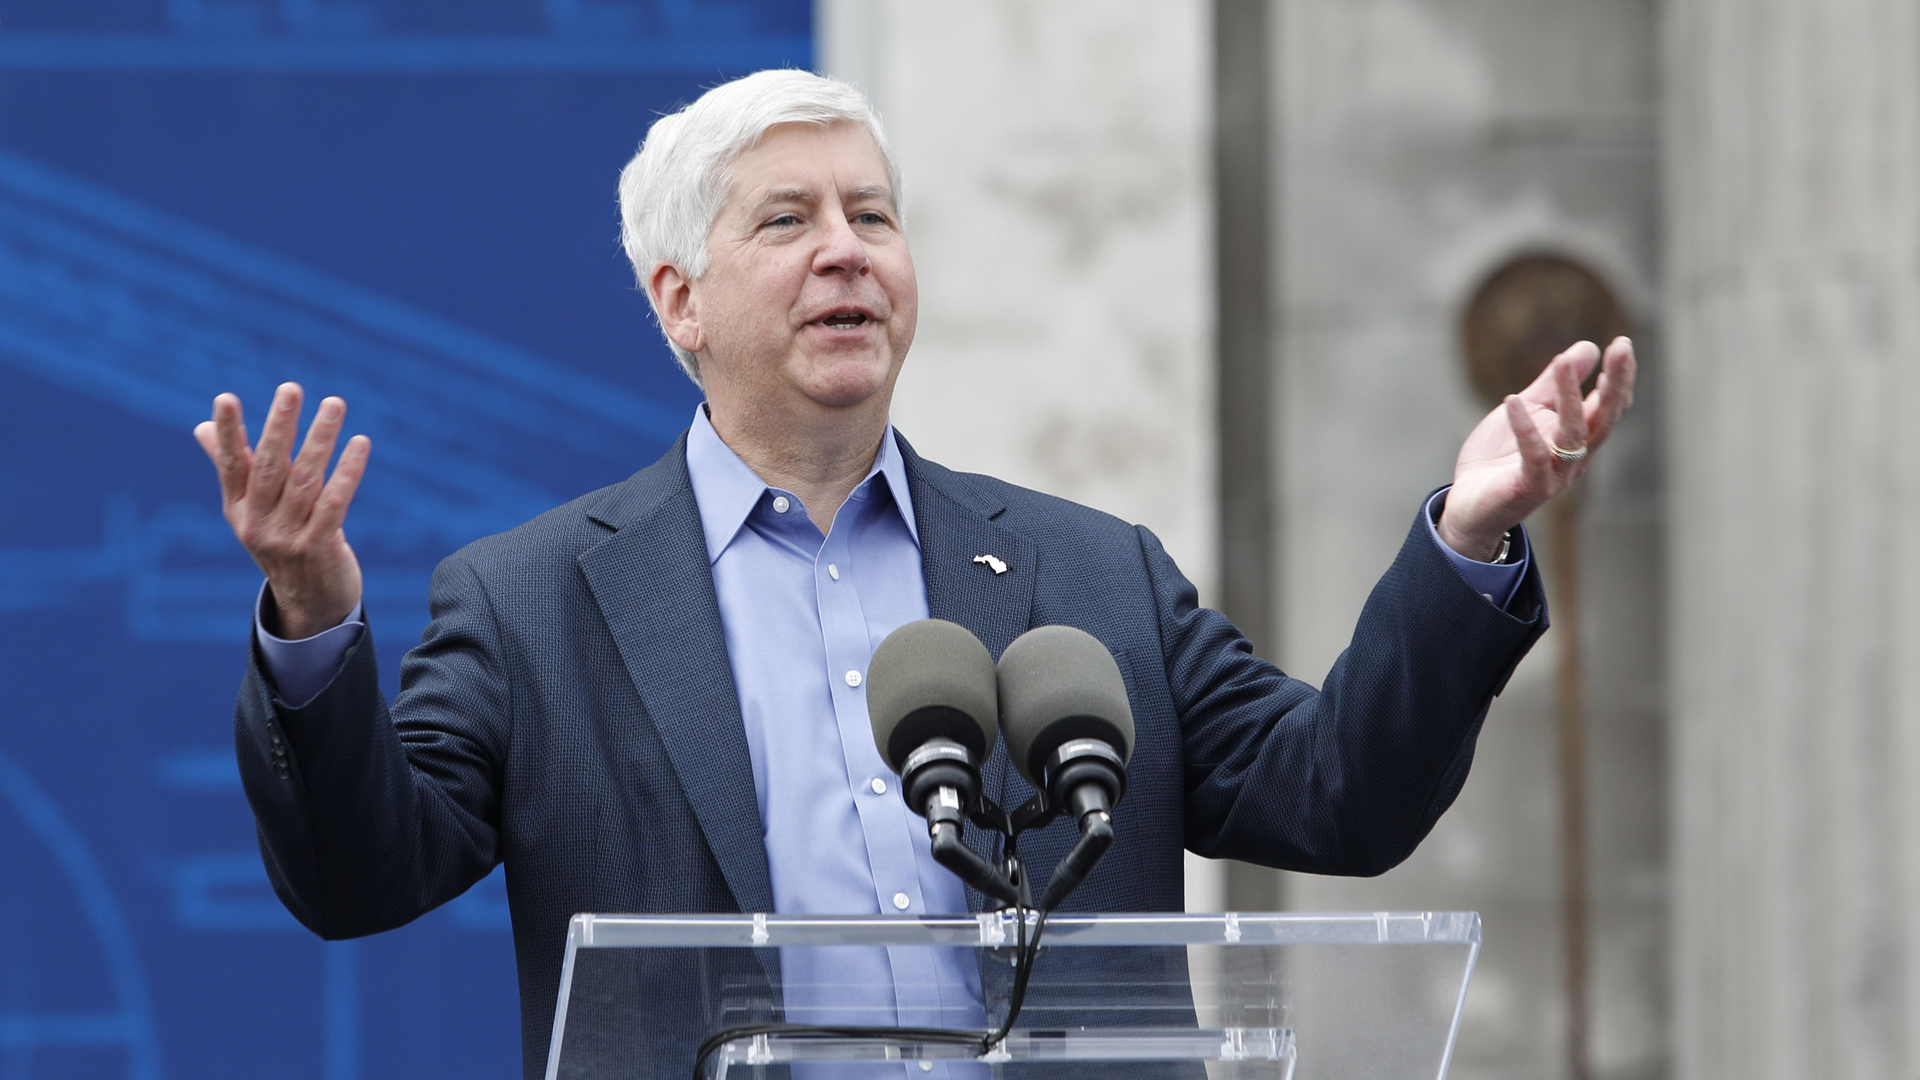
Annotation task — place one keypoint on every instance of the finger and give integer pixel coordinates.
(230, 427)
(1614, 395)
(270, 460)
(203, 433)
(1545, 387)
(224, 438)
(208, 437)
(310, 467)
(330, 510)
(1572, 427)
(1536, 461)
(1585, 355)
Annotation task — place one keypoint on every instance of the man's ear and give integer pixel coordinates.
(673, 304)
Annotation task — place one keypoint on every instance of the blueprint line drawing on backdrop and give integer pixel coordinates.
(406, 203)
(146, 312)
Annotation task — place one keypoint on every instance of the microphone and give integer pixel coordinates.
(933, 700)
(1069, 728)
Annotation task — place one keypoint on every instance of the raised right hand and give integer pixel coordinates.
(286, 511)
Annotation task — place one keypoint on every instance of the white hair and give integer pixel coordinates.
(672, 191)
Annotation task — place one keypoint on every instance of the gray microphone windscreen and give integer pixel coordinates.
(932, 679)
(1059, 683)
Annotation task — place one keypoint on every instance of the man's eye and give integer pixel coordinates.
(871, 217)
(785, 219)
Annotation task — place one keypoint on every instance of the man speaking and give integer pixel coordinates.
(649, 699)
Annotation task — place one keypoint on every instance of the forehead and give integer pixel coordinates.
(809, 158)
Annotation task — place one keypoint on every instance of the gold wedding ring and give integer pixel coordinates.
(1565, 454)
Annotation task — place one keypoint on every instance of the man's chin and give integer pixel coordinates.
(846, 383)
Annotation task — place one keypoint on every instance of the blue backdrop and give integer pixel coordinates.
(409, 203)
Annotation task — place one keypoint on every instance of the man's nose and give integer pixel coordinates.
(841, 249)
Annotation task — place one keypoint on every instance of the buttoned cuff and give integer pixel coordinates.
(300, 669)
(1495, 581)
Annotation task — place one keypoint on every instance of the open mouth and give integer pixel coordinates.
(844, 320)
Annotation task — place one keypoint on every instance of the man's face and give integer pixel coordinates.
(809, 291)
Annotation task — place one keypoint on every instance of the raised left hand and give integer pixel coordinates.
(1507, 469)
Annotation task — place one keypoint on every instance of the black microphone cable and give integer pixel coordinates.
(1026, 953)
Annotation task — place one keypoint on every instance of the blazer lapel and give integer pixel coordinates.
(956, 524)
(654, 586)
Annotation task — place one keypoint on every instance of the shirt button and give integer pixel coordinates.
(833, 572)
(879, 786)
(853, 678)
(780, 504)
(902, 901)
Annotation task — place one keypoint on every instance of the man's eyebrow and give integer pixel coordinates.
(807, 196)
(784, 195)
(861, 194)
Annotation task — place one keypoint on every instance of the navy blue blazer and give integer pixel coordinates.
(571, 711)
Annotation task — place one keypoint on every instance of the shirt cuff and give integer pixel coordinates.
(301, 669)
(1495, 581)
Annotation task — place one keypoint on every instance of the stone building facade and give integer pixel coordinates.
(1178, 250)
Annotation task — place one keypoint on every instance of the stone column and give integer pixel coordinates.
(1058, 202)
(1793, 185)
(1423, 144)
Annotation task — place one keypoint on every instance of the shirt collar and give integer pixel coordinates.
(726, 490)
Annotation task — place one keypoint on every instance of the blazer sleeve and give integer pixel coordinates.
(1350, 778)
(367, 819)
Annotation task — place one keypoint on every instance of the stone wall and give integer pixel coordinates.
(1794, 286)
(1058, 191)
(1423, 143)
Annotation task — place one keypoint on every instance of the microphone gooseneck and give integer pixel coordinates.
(1069, 730)
(933, 700)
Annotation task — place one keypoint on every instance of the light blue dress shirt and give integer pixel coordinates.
(802, 614)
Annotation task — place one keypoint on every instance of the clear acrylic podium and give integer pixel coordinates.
(1318, 997)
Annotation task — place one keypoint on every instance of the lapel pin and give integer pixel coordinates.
(991, 563)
